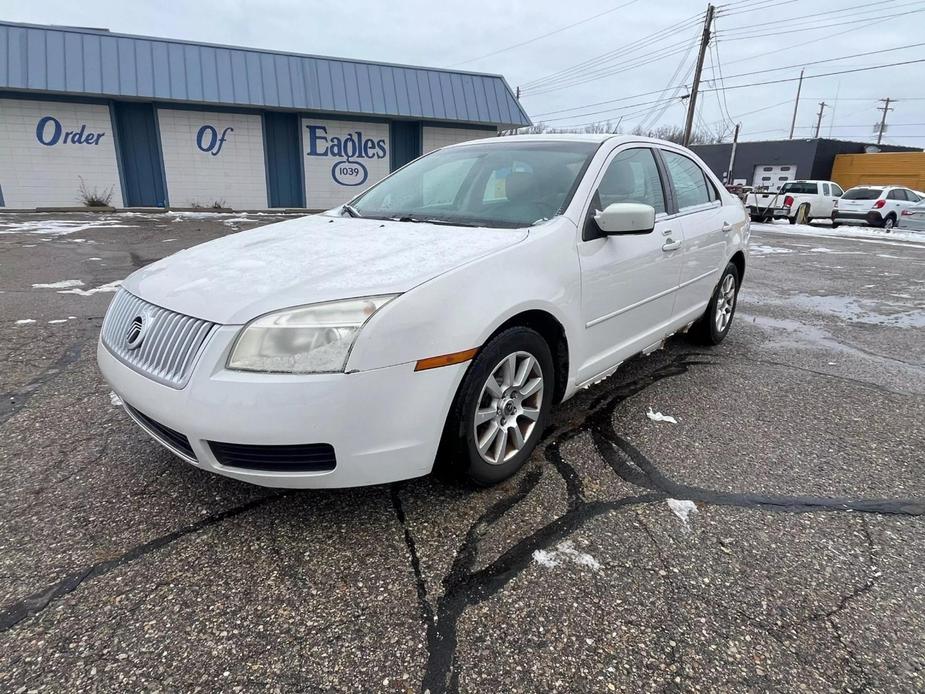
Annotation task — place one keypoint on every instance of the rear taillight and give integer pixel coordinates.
(880, 203)
(836, 204)
(906, 213)
(788, 201)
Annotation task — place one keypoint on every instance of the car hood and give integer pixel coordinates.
(307, 260)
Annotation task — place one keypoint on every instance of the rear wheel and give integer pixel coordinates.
(802, 215)
(889, 222)
(714, 324)
(502, 406)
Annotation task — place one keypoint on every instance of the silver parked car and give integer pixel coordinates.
(913, 218)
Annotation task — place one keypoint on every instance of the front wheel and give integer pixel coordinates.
(714, 324)
(502, 406)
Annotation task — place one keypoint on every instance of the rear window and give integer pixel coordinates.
(862, 194)
(800, 188)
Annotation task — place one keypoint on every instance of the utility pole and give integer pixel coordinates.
(732, 154)
(822, 106)
(796, 106)
(518, 93)
(692, 104)
(885, 108)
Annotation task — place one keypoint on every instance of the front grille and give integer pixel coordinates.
(169, 342)
(308, 457)
(166, 435)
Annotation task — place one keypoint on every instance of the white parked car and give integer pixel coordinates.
(876, 206)
(449, 306)
(913, 218)
(797, 201)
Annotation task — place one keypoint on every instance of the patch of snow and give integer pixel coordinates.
(659, 417)
(110, 287)
(868, 234)
(565, 551)
(61, 227)
(682, 508)
(759, 249)
(25, 321)
(115, 399)
(57, 320)
(94, 258)
(63, 284)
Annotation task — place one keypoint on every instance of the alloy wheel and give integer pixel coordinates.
(725, 303)
(508, 407)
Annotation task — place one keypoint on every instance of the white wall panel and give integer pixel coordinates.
(213, 157)
(434, 138)
(46, 147)
(342, 158)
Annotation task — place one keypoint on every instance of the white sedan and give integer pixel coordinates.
(448, 307)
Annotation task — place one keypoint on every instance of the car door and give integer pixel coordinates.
(705, 223)
(627, 280)
(837, 192)
(895, 202)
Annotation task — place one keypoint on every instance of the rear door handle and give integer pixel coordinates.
(671, 245)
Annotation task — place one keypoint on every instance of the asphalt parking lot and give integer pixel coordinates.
(770, 540)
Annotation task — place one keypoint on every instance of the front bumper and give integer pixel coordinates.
(384, 425)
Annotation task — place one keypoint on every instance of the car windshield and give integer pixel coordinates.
(497, 184)
(800, 187)
(862, 194)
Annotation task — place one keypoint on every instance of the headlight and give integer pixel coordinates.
(308, 339)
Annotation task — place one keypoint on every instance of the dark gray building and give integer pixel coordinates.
(773, 162)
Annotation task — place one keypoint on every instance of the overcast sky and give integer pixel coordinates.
(470, 35)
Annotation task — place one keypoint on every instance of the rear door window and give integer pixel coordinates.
(838, 192)
(688, 180)
(800, 188)
(896, 194)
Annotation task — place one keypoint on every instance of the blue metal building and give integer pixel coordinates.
(162, 122)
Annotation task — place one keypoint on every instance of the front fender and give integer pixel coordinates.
(460, 309)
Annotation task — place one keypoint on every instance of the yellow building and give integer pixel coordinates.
(883, 168)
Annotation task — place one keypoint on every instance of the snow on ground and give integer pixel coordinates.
(759, 249)
(682, 508)
(63, 284)
(844, 231)
(110, 287)
(61, 227)
(564, 551)
(25, 321)
(659, 417)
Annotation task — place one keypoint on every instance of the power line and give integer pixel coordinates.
(598, 60)
(546, 35)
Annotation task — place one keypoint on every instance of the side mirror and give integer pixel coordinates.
(626, 218)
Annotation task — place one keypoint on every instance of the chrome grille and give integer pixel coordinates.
(170, 343)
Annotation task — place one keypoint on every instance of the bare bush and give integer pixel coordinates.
(95, 197)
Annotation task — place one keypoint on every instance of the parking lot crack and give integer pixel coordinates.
(28, 607)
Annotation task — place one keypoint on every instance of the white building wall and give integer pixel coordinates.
(342, 159)
(33, 174)
(434, 138)
(202, 169)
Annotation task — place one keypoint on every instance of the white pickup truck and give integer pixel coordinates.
(797, 201)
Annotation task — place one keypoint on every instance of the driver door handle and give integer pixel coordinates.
(671, 245)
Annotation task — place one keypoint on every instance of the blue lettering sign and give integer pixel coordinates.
(348, 170)
(208, 139)
(49, 132)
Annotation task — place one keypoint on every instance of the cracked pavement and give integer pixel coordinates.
(799, 448)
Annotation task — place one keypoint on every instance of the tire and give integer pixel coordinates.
(709, 330)
(889, 223)
(492, 463)
(835, 225)
(802, 215)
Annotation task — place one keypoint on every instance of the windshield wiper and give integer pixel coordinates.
(431, 220)
(350, 210)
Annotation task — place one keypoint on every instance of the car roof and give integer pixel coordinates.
(569, 137)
